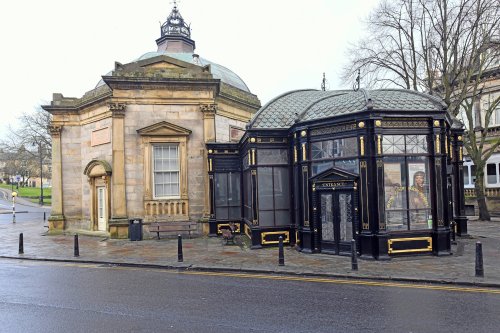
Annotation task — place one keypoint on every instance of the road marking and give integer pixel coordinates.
(341, 281)
(332, 280)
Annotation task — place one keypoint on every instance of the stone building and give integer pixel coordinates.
(123, 150)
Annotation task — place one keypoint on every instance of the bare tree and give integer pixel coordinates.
(28, 144)
(447, 48)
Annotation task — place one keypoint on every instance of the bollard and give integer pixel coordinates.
(281, 253)
(354, 256)
(479, 260)
(14, 194)
(44, 218)
(21, 243)
(180, 257)
(76, 249)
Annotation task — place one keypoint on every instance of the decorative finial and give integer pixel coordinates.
(174, 2)
(324, 83)
(358, 79)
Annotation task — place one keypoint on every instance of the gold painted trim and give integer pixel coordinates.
(253, 156)
(210, 151)
(304, 152)
(378, 123)
(438, 144)
(209, 164)
(297, 239)
(436, 123)
(266, 242)
(248, 231)
(461, 153)
(295, 156)
(446, 144)
(252, 140)
(361, 124)
(394, 240)
(459, 138)
(379, 144)
(236, 227)
(362, 144)
(451, 151)
(303, 133)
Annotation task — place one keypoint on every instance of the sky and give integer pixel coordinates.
(60, 46)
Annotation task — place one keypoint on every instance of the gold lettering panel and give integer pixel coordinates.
(334, 129)
(405, 123)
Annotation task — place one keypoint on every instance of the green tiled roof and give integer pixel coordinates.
(305, 105)
(219, 72)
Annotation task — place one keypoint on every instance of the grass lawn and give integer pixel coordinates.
(31, 193)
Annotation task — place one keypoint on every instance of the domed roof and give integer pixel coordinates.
(305, 105)
(219, 72)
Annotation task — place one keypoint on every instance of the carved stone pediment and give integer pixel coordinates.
(164, 128)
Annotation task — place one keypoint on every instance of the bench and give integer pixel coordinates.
(172, 228)
(229, 233)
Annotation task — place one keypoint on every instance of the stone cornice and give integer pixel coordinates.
(159, 83)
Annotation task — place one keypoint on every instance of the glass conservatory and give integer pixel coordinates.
(322, 168)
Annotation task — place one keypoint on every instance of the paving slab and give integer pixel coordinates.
(207, 253)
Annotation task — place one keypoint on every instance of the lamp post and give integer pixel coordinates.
(40, 151)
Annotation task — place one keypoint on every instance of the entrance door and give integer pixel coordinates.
(337, 209)
(101, 208)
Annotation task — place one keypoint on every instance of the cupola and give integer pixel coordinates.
(175, 34)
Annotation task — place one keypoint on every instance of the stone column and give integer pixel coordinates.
(208, 111)
(56, 219)
(118, 224)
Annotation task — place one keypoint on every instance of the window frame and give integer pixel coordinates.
(154, 172)
(337, 154)
(406, 159)
(149, 141)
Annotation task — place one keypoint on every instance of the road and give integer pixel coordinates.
(24, 212)
(73, 297)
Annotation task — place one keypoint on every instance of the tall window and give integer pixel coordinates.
(273, 187)
(227, 196)
(166, 170)
(274, 196)
(341, 153)
(469, 173)
(406, 182)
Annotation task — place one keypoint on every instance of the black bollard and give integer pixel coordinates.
(44, 217)
(77, 249)
(21, 243)
(479, 260)
(354, 256)
(281, 253)
(180, 257)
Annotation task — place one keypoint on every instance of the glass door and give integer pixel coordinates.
(336, 216)
(101, 208)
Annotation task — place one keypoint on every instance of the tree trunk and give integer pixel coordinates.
(484, 214)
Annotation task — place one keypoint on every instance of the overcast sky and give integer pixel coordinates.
(61, 46)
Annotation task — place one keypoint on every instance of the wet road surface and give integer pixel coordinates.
(72, 297)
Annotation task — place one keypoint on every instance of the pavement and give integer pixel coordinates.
(208, 253)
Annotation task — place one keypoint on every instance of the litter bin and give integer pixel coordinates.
(135, 229)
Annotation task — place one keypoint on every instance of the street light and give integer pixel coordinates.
(41, 169)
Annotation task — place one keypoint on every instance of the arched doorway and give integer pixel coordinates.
(98, 174)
